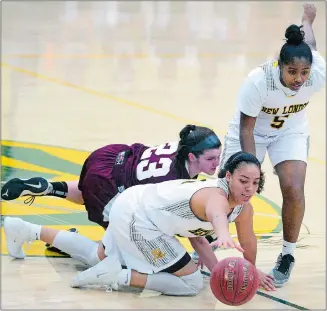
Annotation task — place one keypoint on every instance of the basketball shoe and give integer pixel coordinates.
(17, 187)
(105, 273)
(282, 270)
(18, 232)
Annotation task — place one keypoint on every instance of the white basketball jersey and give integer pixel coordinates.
(277, 108)
(167, 205)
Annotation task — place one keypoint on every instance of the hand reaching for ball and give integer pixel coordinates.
(226, 241)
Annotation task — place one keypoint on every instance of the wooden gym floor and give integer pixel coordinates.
(79, 75)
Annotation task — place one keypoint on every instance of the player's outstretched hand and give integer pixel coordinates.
(309, 13)
(266, 281)
(226, 241)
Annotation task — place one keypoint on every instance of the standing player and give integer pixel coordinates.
(271, 116)
(114, 168)
(144, 221)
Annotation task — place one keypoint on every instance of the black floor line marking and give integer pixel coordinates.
(260, 293)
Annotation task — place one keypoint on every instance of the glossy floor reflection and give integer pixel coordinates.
(84, 74)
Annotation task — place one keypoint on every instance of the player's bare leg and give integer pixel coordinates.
(291, 176)
(74, 194)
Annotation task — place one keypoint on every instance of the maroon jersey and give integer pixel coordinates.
(114, 168)
(145, 165)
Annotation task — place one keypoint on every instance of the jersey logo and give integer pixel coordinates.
(120, 158)
(157, 254)
(121, 189)
(202, 232)
(284, 112)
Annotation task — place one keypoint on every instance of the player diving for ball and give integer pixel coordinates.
(144, 222)
(113, 168)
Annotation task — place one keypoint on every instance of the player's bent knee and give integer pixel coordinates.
(194, 281)
(90, 258)
(171, 285)
(101, 251)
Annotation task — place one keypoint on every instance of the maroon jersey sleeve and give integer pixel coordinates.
(156, 164)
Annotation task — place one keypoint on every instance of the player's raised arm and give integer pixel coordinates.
(308, 17)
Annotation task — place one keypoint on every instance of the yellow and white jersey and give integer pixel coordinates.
(277, 108)
(167, 206)
(145, 220)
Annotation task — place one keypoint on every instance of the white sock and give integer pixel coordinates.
(35, 231)
(288, 248)
(77, 246)
(125, 277)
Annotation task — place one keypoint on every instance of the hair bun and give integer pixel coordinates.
(186, 131)
(294, 35)
(222, 173)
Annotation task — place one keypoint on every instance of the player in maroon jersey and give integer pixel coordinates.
(114, 168)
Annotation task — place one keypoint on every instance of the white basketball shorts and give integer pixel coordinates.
(141, 245)
(289, 146)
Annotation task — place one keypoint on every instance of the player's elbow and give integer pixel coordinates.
(246, 131)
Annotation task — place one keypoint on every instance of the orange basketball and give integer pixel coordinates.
(234, 281)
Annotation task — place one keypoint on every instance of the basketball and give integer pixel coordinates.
(234, 281)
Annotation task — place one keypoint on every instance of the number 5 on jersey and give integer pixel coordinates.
(278, 121)
(147, 169)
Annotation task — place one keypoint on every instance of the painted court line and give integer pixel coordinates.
(103, 95)
(128, 55)
(122, 101)
(260, 293)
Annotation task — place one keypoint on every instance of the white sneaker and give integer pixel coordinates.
(104, 273)
(112, 287)
(17, 233)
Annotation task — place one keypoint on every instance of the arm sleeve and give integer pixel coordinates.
(251, 95)
(318, 71)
